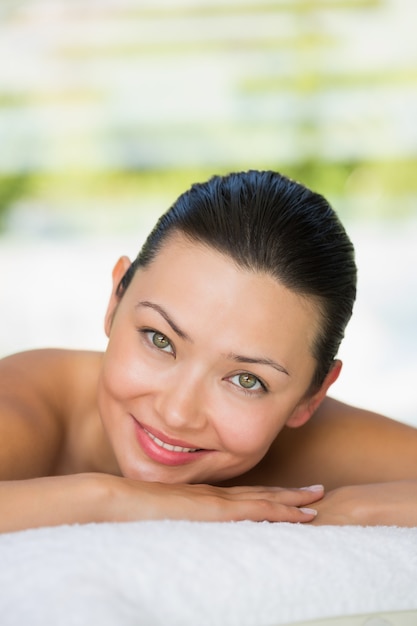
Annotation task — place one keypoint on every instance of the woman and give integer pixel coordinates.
(223, 336)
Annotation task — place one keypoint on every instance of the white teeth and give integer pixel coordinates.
(168, 446)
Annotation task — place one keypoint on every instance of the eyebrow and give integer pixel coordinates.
(240, 358)
(167, 318)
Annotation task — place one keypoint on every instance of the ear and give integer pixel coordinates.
(119, 271)
(305, 409)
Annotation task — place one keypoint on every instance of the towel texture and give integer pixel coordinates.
(185, 573)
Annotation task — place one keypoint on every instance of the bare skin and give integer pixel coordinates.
(46, 434)
(79, 431)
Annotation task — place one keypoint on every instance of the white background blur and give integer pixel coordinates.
(108, 109)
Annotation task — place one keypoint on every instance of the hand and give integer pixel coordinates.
(378, 504)
(137, 500)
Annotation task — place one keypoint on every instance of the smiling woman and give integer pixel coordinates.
(209, 368)
(222, 343)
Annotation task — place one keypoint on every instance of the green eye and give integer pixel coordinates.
(248, 381)
(160, 341)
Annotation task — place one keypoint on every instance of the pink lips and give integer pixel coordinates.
(162, 449)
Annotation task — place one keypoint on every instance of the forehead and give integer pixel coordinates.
(202, 287)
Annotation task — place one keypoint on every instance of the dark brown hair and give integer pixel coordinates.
(267, 222)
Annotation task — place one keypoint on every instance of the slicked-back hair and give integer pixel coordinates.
(267, 223)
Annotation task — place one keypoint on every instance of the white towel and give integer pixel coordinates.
(184, 573)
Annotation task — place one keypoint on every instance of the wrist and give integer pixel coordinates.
(98, 494)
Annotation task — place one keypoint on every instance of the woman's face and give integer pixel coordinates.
(205, 364)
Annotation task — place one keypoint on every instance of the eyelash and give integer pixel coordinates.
(249, 392)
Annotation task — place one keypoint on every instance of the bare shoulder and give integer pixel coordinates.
(40, 391)
(341, 420)
(341, 445)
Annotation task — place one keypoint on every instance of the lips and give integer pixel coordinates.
(167, 446)
(163, 449)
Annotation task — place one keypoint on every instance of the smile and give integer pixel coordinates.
(168, 446)
(173, 453)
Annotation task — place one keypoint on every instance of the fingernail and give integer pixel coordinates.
(308, 511)
(313, 488)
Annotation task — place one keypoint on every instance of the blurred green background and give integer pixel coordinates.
(111, 108)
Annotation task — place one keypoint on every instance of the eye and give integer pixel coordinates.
(159, 340)
(248, 382)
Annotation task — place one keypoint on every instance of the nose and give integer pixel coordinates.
(180, 401)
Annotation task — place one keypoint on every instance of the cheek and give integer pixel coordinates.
(117, 384)
(248, 430)
(125, 379)
(123, 369)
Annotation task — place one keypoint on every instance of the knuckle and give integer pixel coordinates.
(265, 509)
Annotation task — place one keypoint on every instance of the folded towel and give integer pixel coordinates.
(193, 573)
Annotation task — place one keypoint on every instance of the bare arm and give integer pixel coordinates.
(36, 401)
(84, 498)
(376, 504)
(368, 463)
(342, 447)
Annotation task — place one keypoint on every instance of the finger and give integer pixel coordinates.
(290, 497)
(255, 488)
(263, 510)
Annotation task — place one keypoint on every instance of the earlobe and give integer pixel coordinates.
(308, 406)
(119, 271)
